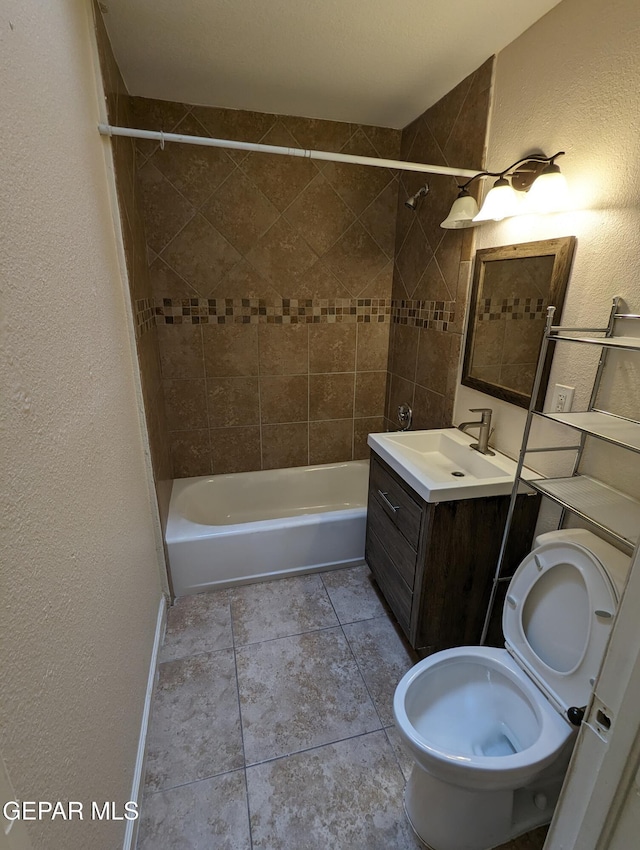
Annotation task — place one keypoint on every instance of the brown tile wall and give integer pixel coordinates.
(431, 273)
(137, 268)
(285, 307)
(271, 277)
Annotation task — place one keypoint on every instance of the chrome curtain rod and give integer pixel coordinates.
(109, 130)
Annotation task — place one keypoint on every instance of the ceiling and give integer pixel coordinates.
(380, 62)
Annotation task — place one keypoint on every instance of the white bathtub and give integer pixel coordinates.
(250, 526)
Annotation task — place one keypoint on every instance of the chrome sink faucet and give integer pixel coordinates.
(484, 432)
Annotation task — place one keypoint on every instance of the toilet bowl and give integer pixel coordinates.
(488, 728)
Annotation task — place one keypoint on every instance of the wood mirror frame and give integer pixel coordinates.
(513, 285)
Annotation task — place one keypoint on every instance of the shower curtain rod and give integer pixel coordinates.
(109, 130)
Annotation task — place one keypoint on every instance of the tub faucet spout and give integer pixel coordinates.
(484, 429)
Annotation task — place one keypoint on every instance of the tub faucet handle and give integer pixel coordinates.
(405, 415)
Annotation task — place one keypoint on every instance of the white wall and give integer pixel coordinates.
(572, 82)
(79, 564)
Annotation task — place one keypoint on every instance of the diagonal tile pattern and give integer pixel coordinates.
(280, 178)
(428, 259)
(193, 170)
(240, 211)
(243, 195)
(237, 225)
(293, 745)
(165, 209)
(200, 254)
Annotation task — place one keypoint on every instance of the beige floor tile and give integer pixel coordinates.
(353, 594)
(203, 815)
(345, 796)
(275, 609)
(400, 750)
(323, 773)
(299, 692)
(383, 658)
(199, 623)
(195, 724)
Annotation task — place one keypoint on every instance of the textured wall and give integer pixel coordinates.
(431, 270)
(135, 247)
(79, 568)
(272, 276)
(572, 82)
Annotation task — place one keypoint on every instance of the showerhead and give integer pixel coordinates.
(412, 202)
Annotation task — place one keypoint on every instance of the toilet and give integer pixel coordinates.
(488, 728)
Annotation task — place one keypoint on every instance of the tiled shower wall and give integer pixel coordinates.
(271, 277)
(432, 266)
(270, 286)
(137, 268)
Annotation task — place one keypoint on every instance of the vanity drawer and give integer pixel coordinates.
(391, 583)
(401, 552)
(399, 507)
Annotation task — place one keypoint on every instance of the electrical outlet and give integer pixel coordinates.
(561, 399)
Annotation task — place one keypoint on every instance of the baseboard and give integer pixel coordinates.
(131, 829)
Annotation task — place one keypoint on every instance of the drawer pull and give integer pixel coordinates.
(387, 504)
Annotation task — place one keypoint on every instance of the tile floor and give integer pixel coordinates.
(272, 726)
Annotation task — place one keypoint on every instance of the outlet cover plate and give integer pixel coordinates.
(561, 399)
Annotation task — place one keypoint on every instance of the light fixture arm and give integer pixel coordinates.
(501, 174)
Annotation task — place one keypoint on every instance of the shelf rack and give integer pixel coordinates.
(600, 505)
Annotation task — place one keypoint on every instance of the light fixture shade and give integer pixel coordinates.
(549, 192)
(462, 212)
(501, 202)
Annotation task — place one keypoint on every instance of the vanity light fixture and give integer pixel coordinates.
(550, 192)
(537, 173)
(463, 210)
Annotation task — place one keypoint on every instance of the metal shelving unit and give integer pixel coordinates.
(600, 505)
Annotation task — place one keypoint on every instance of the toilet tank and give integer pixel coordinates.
(615, 562)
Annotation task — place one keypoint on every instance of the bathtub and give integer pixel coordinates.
(233, 529)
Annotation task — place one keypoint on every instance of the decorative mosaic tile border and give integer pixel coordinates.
(253, 311)
(145, 315)
(511, 308)
(438, 315)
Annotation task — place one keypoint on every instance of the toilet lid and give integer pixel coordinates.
(557, 618)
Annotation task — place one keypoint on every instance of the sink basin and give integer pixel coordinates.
(441, 466)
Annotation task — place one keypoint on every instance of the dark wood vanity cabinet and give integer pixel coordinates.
(434, 563)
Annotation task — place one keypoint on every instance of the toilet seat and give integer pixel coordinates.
(556, 619)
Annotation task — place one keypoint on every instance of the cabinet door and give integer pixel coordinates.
(394, 588)
(456, 565)
(403, 508)
(402, 554)
(393, 534)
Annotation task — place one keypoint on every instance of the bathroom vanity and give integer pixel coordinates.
(434, 558)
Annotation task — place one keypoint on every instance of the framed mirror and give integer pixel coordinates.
(512, 288)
